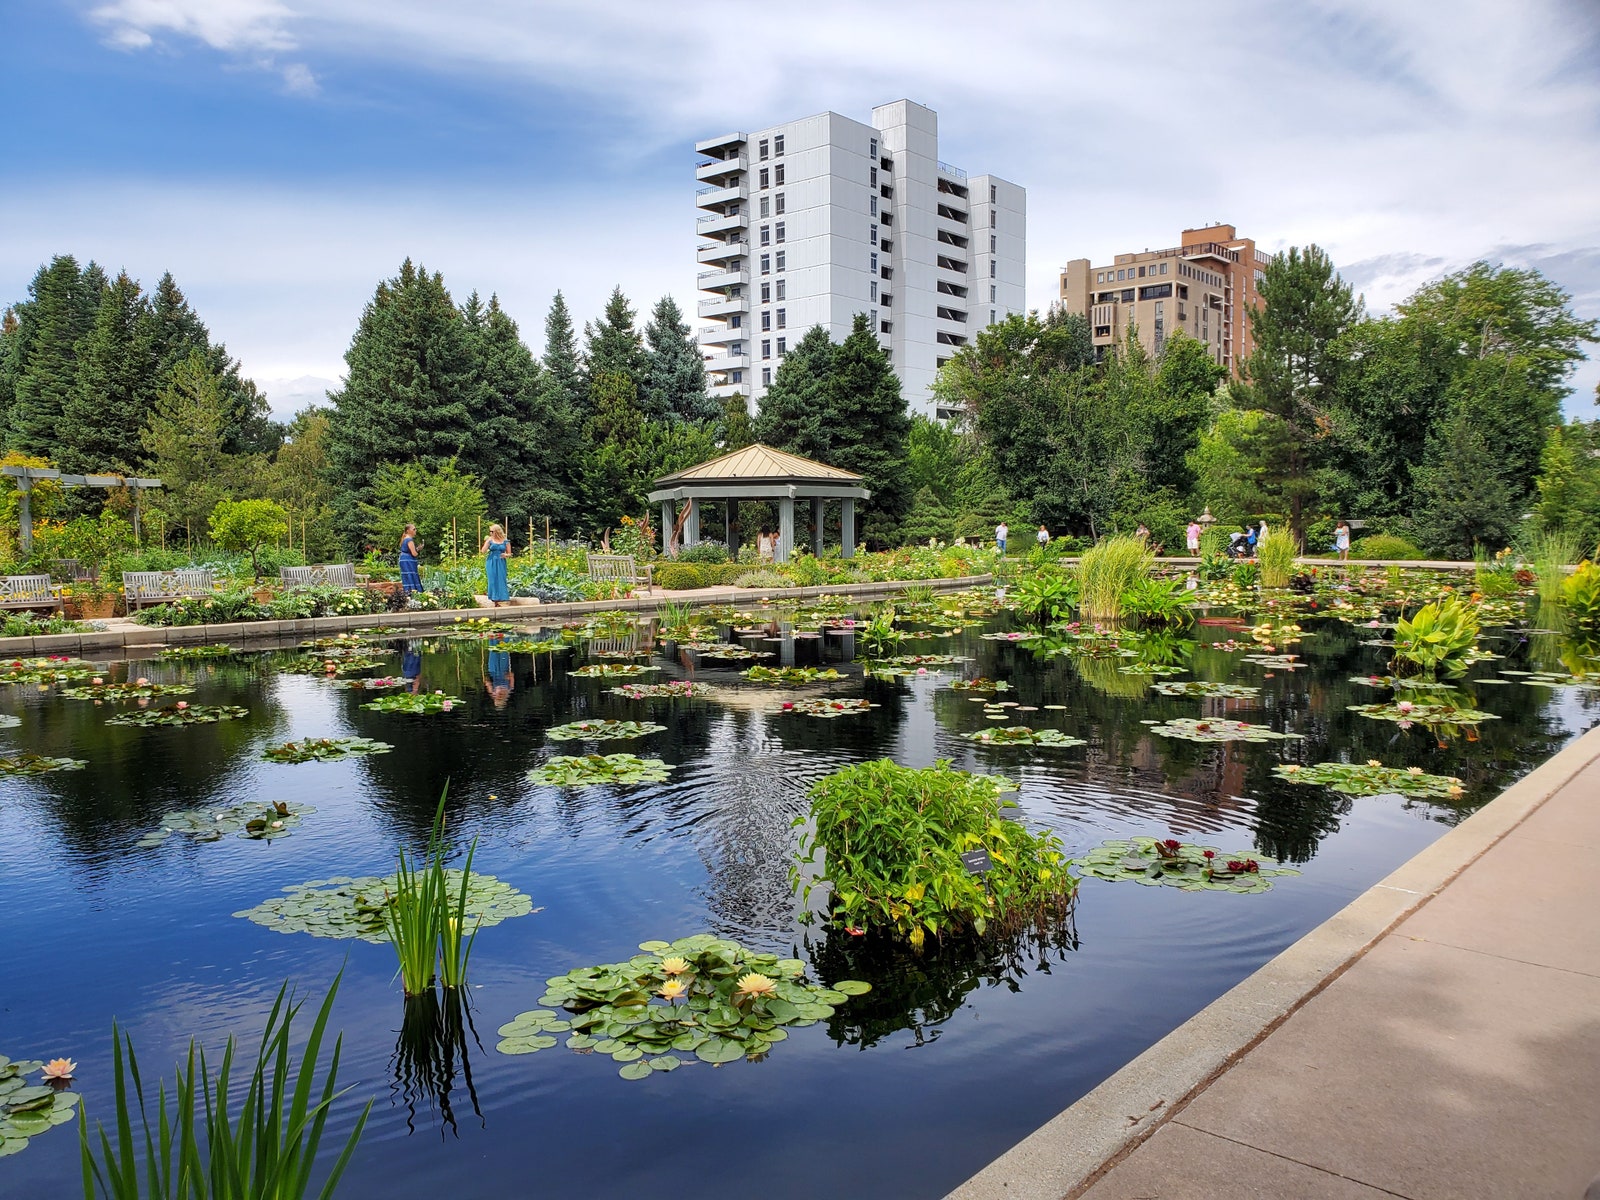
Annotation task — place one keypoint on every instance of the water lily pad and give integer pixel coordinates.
(353, 908)
(1186, 866)
(1422, 713)
(28, 1110)
(188, 653)
(829, 706)
(1022, 735)
(790, 676)
(602, 731)
(181, 714)
(28, 763)
(1193, 729)
(259, 821)
(115, 692)
(1206, 690)
(588, 769)
(616, 670)
(1371, 779)
(323, 749)
(415, 703)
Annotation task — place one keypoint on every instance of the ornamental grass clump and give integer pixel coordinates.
(1275, 554)
(891, 840)
(1109, 569)
(1551, 552)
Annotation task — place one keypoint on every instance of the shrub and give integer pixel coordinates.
(893, 837)
(1384, 545)
(1157, 601)
(761, 579)
(247, 525)
(219, 609)
(1107, 571)
(1580, 591)
(709, 551)
(1044, 596)
(1276, 553)
(679, 576)
(1438, 636)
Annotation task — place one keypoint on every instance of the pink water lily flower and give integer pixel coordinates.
(97, 681)
(59, 1068)
(1404, 706)
(182, 704)
(141, 682)
(447, 705)
(922, 670)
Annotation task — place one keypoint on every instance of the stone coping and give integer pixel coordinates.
(141, 637)
(1065, 1156)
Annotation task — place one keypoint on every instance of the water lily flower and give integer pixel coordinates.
(1373, 762)
(1405, 706)
(142, 682)
(1403, 724)
(1456, 789)
(182, 704)
(675, 965)
(277, 824)
(756, 984)
(1210, 854)
(446, 706)
(787, 705)
(922, 670)
(59, 1068)
(97, 681)
(1413, 770)
(1292, 768)
(673, 990)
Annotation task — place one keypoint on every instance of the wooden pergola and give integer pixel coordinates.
(762, 473)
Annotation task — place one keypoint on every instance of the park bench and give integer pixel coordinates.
(142, 589)
(339, 575)
(28, 592)
(71, 570)
(619, 568)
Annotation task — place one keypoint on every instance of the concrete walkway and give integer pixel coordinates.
(1451, 1053)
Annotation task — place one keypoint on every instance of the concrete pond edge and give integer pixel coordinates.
(1065, 1156)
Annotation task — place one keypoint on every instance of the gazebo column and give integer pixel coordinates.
(691, 526)
(847, 528)
(666, 523)
(785, 529)
(816, 526)
(730, 510)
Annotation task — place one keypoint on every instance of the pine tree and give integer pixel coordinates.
(115, 387)
(612, 471)
(792, 410)
(675, 375)
(183, 444)
(410, 394)
(612, 344)
(58, 316)
(1463, 501)
(738, 431)
(11, 355)
(865, 424)
(566, 398)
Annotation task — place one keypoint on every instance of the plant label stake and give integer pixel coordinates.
(977, 862)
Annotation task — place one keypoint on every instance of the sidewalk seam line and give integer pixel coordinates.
(1501, 957)
(1297, 1161)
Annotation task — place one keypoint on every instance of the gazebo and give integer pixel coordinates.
(762, 473)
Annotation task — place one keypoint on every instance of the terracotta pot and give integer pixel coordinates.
(264, 595)
(385, 587)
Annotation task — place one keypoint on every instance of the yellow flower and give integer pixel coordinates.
(673, 989)
(1292, 768)
(755, 984)
(674, 966)
(1456, 789)
(1372, 762)
(1413, 770)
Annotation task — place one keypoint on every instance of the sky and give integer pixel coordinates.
(281, 157)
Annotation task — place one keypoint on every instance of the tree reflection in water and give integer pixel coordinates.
(431, 1048)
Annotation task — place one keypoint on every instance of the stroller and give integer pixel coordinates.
(1239, 545)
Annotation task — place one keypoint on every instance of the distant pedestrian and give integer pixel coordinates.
(496, 549)
(1000, 532)
(1191, 537)
(1253, 536)
(410, 550)
(1043, 536)
(1142, 533)
(1261, 532)
(1341, 541)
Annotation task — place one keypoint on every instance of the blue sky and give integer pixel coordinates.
(281, 156)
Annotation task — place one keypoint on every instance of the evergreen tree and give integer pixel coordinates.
(865, 425)
(738, 431)
(613, 482)
(1462, 499)
(115, 388)
(11, 356)
(675, 375)
(410, 394)
(612, 345)
(298, 480)
(563, 371)
(58, 315)
(183, 444)
(792, 411)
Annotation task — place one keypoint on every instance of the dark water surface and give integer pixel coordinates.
(955, 1055)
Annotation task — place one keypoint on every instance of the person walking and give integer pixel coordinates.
(1043, 537)
(1341, 540)
(1191, 538)
(1142, 533)
(410, 551)
(496, 549)
(1254, 535)
(1000, 532)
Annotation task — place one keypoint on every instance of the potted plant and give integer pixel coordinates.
(89, 599)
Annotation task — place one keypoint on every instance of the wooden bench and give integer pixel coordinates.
(142, 589)
(618, 568)
(28, 592)
(339, 575)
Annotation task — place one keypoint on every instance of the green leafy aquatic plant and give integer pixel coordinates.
(701, 996)
(54, 669)
(1195, 729)
(586, 770)
(1550, 552)
(1044, 596)
(331, 666)
(189, 653)
(1580, 592)
(1108, 569)
(346, 907)
(426, 915)
(528, 646)
(323, 749)
(1157, 602)
(415, 703)
(828, 706)
(1185, 866)
(1437, 638)
(100, 691)
(1022, 735)
(257, 820)
(602, 731)
(981, 683)
(29, 1109)
(608, 670)
(379, 684)
(28, 763)
(790, 676)
(672, 688)
(198, 1146)
(1205, 690)
(1420, 712)
(893, 838)
(1371, 778)
(181, 714)
(878, 635)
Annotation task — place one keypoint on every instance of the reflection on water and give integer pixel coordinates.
(1028, 1021)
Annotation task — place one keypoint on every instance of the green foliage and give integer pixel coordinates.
(679, 577)
(879, 634)
(602, 731)
(613, 346)
(1275, 554)
(1550, 552)
(1192, 729)
(267, 1148)
(1438, 637)
(1044, 596)
(253, 820)
(1023, 735)
(184, 441)
(426, 917)
(245, 525)
(59, 313)
(589, 769)
(893, 838)
(1580, 592)
(26, 763)
(1152, 601)
(324, 749)
(27, 1110)
(431, 498)
(416, 704)
(674, 384)
(181, 714)
(1381, 546)
(342, 907)
(1371, 779)
(1108, 569)
(220, 608)
(1189, 867)
(1462, 495)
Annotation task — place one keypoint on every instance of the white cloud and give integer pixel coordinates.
(226, 25)
(298, 80)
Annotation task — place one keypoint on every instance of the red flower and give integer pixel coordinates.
(1210, 853)
(1172, 844)
(1235, 865)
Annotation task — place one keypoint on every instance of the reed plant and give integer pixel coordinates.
(917, 594)
(1276, 553)
(674, 616)
(197, 1146)
(426, 919)
(1550, 552)
(1107, 570)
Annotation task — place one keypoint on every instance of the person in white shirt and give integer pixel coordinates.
(1043, 536)
(1000, 532)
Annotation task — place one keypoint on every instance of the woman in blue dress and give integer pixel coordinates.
(496, 549)
(410, 576)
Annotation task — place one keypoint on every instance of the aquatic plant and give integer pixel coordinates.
(1419, 712)
(588, 769)
(1107, 570)
(1371, 778)
(674, 616)
(100, 691)
(28, 763)
(188, 653)
(267, 1149)
(345, 907)
(56, 668)
(1193, 729)
(828, 706)
(1437, 638)
(917, 595)
(790, 676)
(426, 915)
(1275, 555)
(615, 670)
(651, 691)
(323, 749)
(878, 634)
(893, 839)
(701, 996)
(1580, 592)
(181, 714)
(415, 703)
(601, 731)
(331, 665)
(726, 651)
(257, 820)
(1044, 596)
(1550, 552)
(1157, 602)
(1207, 690)
(1022, 735)
(981, 683)
(27, 1110)
(1183, 865)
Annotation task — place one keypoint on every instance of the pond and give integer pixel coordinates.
(955, 1054)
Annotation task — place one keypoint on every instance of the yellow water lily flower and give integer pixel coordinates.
(1413, 770)
(755, 984)
(1293, 768)
(673, 989)
(674, 965)
(1373, 762)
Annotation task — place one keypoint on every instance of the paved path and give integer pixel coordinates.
(1459, 1057)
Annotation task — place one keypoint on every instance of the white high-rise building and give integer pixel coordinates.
(811, 222)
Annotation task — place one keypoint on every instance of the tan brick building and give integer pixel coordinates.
(1206, 286)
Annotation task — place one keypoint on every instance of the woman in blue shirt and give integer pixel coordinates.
(410, 576)
(496, 549)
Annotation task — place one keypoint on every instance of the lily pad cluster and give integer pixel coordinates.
(343, 907)
(126, 691)
(1194, 729)
(181, 714)
(703, 997)
(27, 1110)
(1183, 865)
(332, 665)
(469, 629)
(191, 653)
(1419, 712)
(324, 749)
(828, 706)
(981, 684)
(651, 691)
(1206, 690)
(602, 731)
(28, 763)
(1022, 735)
(923, 660)
(586, 770)
(790, 676)
(1371, 778)
(380, 684)
(258, 820)
(725, 650)
(54, 669)
(616, 670)
(416, 704)
(529, 646)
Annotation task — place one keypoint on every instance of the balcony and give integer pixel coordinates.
(715, 223)
(721, 145)
(726, 391)
(951, 264)
(720, 335)
(716, 196)
(722, 170)
(712, 281)
(720, 306)
(719, 364)
(723, 251)
(1213, 250)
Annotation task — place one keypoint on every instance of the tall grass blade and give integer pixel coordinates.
(1107, 570)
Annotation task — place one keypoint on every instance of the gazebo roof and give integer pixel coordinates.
(760, 465)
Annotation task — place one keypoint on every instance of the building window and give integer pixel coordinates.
(777, 174)
(994, 193)
(765, 207)
(783, 347)
(991, 316)
(872, 147)
(1155, 291)
(1122, 274)
(1183, 291)
(872, 289)
(762, 149)
(1163, 268)
(763, 177)
(874, 257)
(872, 176)
(783, 318)
(766, 264)
(885, 327)
(993, 244)
(766, 320)
(736, 350)
(766, 376)
(766, 235)
(736, 377)
(872, 204)
(777, 146)
(1127, 295)
(736, 321)
(766, 292)
(992, 293)
(991, 268)
(778, 204)
(766, 348)
(782, 255)
(780, 230)
(783, 288)
(874, 235)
